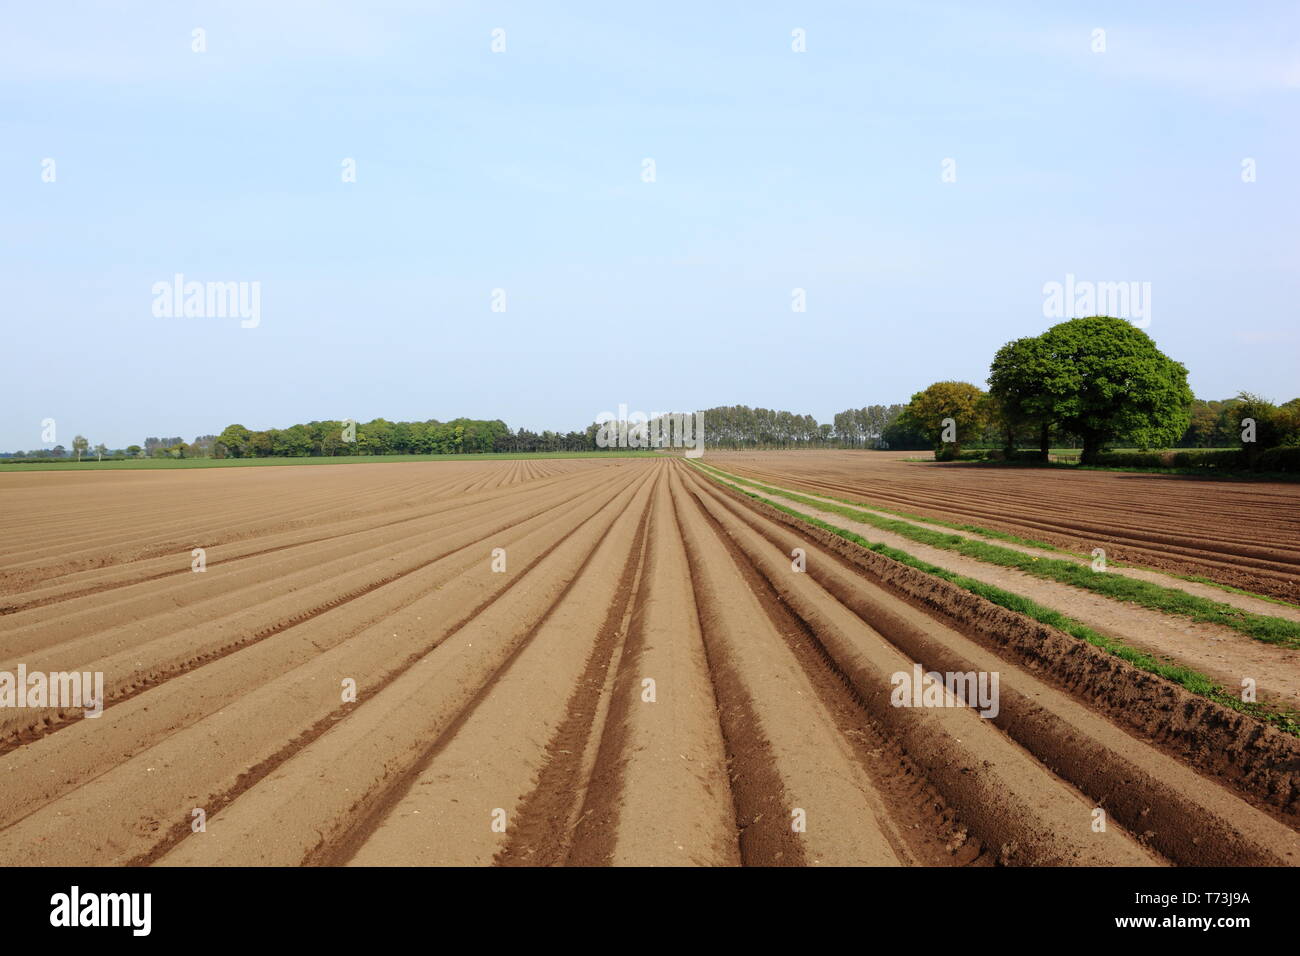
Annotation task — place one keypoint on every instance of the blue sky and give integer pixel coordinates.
(522, 170)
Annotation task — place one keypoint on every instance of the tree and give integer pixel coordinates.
(1274, 425)
(100, 449)
(376, 437)
(1018, 384)
(1286, 421)
(79, 444)
(133, 450)
(949, 413)
(258, 445)
(900, 432)
(1104, 378)
(1210, 426)
(160, 447)
(234, 439)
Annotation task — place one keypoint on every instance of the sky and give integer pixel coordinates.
(920, 170)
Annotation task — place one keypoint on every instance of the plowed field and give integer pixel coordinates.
(572, 662)
(1244, 534)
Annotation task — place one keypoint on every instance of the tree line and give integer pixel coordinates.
(731, 426)
(1088, 383)
(376, 437)
(202, 447)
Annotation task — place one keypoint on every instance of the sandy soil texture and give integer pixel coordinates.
(565, 662)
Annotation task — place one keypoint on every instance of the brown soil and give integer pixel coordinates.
(523, 699)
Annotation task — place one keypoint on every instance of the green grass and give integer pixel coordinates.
(1191, 680)
(132, 464)
(1270, 630)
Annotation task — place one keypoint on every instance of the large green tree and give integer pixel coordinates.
(1103, 378)
(949, 413)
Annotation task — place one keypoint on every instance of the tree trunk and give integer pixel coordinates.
(1091, 449)
(1045, 442)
